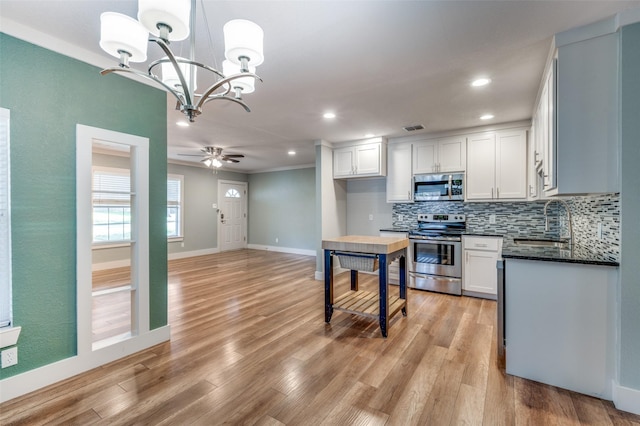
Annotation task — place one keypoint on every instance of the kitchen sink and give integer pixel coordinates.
(563, 244)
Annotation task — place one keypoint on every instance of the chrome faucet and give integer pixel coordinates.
(546, 218)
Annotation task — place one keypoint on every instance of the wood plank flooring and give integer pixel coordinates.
(249, 346)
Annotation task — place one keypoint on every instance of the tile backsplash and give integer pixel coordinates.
(520, 219)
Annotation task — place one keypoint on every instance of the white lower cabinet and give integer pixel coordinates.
(479, 275)
(560, 324)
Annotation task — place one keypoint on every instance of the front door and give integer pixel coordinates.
(232, 215)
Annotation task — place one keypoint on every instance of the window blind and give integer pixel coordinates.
(174, 189)
(5, 222)
(111, 187)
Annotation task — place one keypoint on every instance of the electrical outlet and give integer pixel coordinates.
(492, 219)
(276, 239)
(182, 245)
(370, 217)
(9, 357)
(400, 217)
(600, 230)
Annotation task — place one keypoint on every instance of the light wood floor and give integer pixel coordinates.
(249, 346)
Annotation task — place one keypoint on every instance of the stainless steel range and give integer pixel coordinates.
(437, 253)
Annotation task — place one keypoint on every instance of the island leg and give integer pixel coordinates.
(403, 282)
(354, 280)
(383, 294)
(328, 286)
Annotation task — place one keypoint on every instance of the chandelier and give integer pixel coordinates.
(173, 20)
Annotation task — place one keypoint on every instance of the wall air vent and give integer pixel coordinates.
(413, 128)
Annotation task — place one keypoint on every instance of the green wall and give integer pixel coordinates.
(282, 205)
(48, 94)
(630, 209)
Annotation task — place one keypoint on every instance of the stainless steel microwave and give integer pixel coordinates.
(439, 187)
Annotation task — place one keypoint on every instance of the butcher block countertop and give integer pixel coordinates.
(365, 244)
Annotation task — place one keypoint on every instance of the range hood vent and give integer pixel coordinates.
(413, 128)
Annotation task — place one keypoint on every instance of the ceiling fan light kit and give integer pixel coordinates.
(214, 158)
(172, 20)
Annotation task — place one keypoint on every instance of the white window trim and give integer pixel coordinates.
(181, 232)
(8, 334)
(85, 136)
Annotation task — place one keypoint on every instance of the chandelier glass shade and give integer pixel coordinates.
(172, 20)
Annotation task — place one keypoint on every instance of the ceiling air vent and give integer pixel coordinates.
(413, 128)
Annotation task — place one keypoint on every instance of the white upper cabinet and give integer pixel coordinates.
(343, 162)
(543, 140)
(439, 155)
(497, 165)
(587, 111)
(511, 164)
(362, 160)
(481, 167)
(399, 176)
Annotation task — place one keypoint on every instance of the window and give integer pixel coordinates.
(112, 205)
(232, 193)
(5, 222)
(174, 206)
(111, 190)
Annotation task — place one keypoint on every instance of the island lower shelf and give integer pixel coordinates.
(366, 303)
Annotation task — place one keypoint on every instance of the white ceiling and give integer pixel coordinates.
(379, 65)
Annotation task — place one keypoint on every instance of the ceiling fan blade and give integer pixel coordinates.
(191, 155)
(233, 156)
(230, 160)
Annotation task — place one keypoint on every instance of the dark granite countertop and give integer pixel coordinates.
(482, 234)
(578, 254)
(396, 229)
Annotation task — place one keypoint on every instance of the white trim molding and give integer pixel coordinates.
(32, 380)
(626, 399)
(192, 253)
(304, 252)
(9, 336)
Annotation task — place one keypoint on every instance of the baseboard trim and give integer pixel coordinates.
(282, 249)
(32, 380)
(626, 399)
(193, 253)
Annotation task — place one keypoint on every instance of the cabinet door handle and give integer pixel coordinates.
(467, 258)
(480, 245)
(497, 192)
(491, 193)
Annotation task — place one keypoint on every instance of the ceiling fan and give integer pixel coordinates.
(213, 156)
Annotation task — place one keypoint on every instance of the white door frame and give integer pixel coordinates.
(245, 185)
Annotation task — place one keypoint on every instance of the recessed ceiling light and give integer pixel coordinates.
(182, 124)
(369, 135)
(480, 82)
(329, 115)
(486, 117)
(291, 152)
